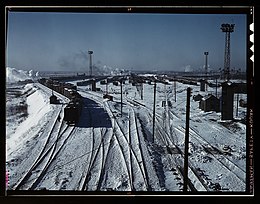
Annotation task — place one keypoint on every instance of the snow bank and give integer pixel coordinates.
(37, 107)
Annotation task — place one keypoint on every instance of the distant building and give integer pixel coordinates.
(210, 103)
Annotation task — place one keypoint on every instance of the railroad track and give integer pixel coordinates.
(98, 151)
(223, 160)
(47, 154)
(215, 150)
(136, 158)
(41, 154)
(165, 137)
(219, 155)
(104, 156)
(177, 163)
(53, 155)
(92, 156)
(121, 140)
(135, 135)
(97, 154)
(165, 140)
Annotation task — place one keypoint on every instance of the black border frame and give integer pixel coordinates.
(157, 7)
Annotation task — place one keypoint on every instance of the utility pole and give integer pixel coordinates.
(154, 105)
(206, 68)
(52, 88)
(237, 104)
(106, 87)
(121, 86)
(175, 99)
(186, 151)
(216, 87)
(142, 90)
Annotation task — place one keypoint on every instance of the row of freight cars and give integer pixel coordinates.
(72, 110)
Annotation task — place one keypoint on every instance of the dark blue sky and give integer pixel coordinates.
(60, 41)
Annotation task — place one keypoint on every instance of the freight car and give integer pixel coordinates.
(72, 113)
(73, 109)
(63, 88)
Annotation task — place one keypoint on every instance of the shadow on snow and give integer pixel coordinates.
(93, 115)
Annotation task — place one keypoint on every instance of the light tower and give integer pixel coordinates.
(90, 52)
(227, 28)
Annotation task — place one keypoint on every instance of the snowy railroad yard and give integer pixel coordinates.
(110, 151)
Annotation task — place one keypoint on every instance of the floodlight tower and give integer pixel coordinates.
(90, 52)
(227, 28)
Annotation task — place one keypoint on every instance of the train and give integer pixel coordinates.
(66, 89)
(72, 110)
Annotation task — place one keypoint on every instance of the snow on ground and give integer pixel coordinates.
(37, 107)
(207, 131)
(108, 150)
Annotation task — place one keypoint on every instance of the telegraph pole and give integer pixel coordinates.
(121, 87)
(186, 151)
(142, 90)
(237, 104)
(52, 88)
(106, 87)
(216, 87)
(206, 67)
(175, 99)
